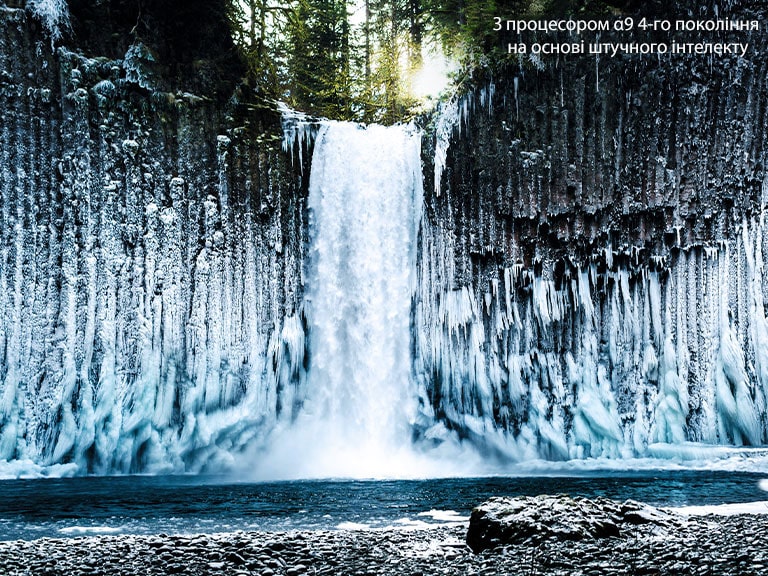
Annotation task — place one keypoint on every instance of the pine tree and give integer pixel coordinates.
(319, 64)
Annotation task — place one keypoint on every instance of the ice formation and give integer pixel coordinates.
(606, 359)
(602, 364)
(148, 300)
(171, 300)
(54, 15)
(529, 355)
(450, 120)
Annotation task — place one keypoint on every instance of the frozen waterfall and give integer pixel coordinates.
(528, 346)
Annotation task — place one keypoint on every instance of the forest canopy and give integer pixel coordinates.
(360, 59)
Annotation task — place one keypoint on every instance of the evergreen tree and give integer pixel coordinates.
(319, 64)
(259, 28)
(308, 52)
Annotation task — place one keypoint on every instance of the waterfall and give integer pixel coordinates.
(354, 415)
(569, 293)
(365, 197)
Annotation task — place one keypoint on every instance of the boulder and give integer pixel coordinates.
(531, 519)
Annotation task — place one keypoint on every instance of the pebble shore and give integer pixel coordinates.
(732, 545)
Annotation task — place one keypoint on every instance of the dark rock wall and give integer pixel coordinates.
(627, 150)
(592, 264)
(150, 257)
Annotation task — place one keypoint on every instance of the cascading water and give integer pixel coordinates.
(365, 198)
(358, 404)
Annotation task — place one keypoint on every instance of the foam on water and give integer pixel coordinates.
(88, 530)
(448, 516)
(724, 509)
(28, 469)
(353, 526)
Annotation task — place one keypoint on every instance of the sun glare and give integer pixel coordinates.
(434, 75)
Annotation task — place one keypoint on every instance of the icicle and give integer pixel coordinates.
(448, 119)
(516, 83)
(298, 131)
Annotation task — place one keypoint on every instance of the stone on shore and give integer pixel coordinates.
(532, 519)
(700, 546)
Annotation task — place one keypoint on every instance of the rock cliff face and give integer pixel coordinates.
(592, 261)
(150, 262)
(589, 274)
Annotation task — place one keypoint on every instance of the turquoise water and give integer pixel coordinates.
(66, 507)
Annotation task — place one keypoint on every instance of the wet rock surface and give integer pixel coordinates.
(699, 546)
(534, 519)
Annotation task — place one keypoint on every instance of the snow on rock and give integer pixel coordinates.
(150, 271)
(533, 519)
(54, 15)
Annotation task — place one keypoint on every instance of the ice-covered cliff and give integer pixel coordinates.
(150, 263)
(591, 279)
(182, 285)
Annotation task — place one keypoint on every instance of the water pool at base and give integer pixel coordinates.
(66, 507)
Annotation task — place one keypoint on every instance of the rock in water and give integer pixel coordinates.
(504, 520)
